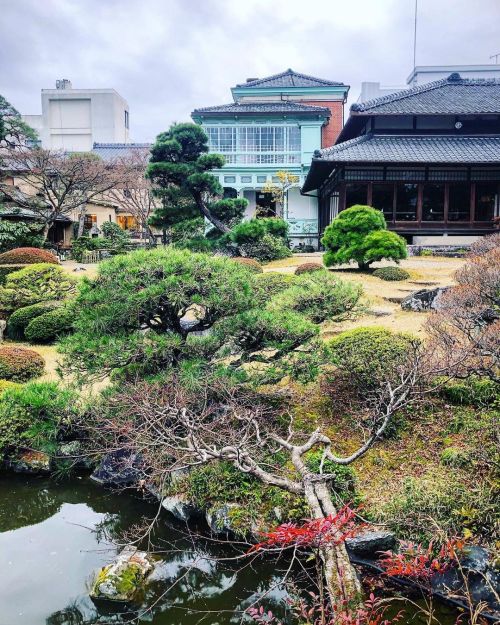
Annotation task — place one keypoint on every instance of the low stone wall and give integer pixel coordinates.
(452, 251)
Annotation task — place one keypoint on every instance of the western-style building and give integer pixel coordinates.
(428, 157)
(275, 124)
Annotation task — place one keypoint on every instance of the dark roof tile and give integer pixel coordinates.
(262, 107)
(289, 78)
(109, 151)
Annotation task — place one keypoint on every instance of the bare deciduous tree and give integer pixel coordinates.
(58, 184)
(466, 328)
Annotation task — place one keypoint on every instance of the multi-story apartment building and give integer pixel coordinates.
(75, 119)
(275, 124)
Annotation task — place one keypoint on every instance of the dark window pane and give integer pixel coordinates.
(355, 194)
(486, 198)
(406, 202)
(433, 202)
(383, 199)
(459, 201)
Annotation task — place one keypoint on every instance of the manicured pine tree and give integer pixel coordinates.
(180, 167)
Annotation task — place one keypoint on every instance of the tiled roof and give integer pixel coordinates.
(262, 107)
(109, 151)
(414, 149)
(450, 96)
(289, 78)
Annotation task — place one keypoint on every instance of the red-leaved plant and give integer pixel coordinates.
(421, 563)
(314, 533)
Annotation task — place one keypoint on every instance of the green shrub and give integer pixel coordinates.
(31, 414)
(27, 256)
(267, 285)
(35, 283)
(309, 268)
(250, 263)
(131, 314)
(426, 253)
(6, 384)
(85, 244)
(474, 392)
(320, 296)
(5, 270)
(196, 244)
(19, 364)
(15, 234)
(188, 229)
(248, 231)
(391, 274)
(50, 325)
(275, 226)
(20, 318)
(359, 233)
(266, 249)
(370, 356)
(454, 457)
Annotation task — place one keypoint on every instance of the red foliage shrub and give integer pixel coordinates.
(27, 256)
(309, 268)
(251, 263)
(19, 364)
(421, 563)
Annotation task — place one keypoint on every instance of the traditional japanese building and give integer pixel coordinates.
(428, 157)
(275, 124)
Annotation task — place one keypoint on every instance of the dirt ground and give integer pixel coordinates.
(382, 298)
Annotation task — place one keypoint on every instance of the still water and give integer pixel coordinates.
(54, 536)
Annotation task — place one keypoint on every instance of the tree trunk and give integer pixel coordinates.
(45, 232)
(81, 224)
(341, 579)
(211, 218)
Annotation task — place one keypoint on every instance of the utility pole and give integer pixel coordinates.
(415, 40)
(495, 56)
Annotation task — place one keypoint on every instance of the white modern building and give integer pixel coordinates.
(75, 119)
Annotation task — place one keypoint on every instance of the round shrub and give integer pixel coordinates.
(391, 274)
(5, 270)
(309, 268)
(19, 364)
(267, 248)
(370, 356)
(250, 263)
(20, 318)
(49, 326)
(27, 256)
(35, 283)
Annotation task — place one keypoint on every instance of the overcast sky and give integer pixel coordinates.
(167, 57)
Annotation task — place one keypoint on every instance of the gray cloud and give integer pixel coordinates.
(167, 57)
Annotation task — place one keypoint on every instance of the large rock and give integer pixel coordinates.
(221, 519)
(424, 300)
(121, 580)
(193, 317)
(180, 508)
(32, 462)
(118, 468)
(265, 355)
(72, 452)
(369, 544)
(3, 325)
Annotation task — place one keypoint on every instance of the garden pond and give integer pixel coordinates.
(54, 537)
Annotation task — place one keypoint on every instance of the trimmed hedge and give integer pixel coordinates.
(19, 364)
(49, 326)
(391, 274)
(250, 263)
(27, 256)
(6, 384)
(19, 320)
(309, 268)
(5, 270)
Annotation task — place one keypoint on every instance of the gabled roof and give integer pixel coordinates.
(289, 78)
(415, 149)
(450, 96)
(238, 108)
(110, 151)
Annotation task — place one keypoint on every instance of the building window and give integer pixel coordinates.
(383, 199)
(246, 178)
(406, 202)
(262, 179)
(355, 194)
(459, 201)
(433, 202)
(126, 222)
(126, 119)
(256, 144)
(486, 200)
(89, 221)
(230, 179)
